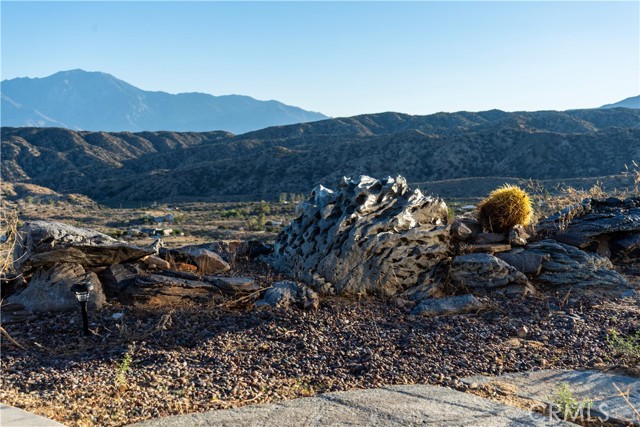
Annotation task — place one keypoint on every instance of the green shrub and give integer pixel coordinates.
(626, 347)
(567, 406)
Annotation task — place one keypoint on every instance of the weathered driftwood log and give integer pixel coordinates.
(131, 284)
(42, 243)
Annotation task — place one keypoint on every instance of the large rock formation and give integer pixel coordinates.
(50, 289)
(53, 257)
(44, 243)
(567, 266)
(369, 237)
(484, 272)
(593, 224)
(56, 256)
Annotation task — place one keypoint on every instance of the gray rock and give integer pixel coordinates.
(14, 417)
(434, 285)
(525, 262)
(626, 248)
(483, 238)
(208, 262)
(580, 225)
(460, 231)
(286, 293)
(518, 236)
(49, 289)
(42, 243)
(116, 278)
(480, 271)
(401, 405)
(566, 265)
(370, 237)
(595, 386)
(448, 305)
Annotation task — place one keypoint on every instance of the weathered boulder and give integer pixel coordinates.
(463, 229)
(49, 289)
(369, 237)
(448, 305)
(567, 266)
(155, 262)
(208, 262)
(518, 235)
(523, 261)
(590, 224)
(43, 243)
(625, 248)
(484, 272)
(286, 293)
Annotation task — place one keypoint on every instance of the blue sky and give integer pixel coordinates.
(342, 58)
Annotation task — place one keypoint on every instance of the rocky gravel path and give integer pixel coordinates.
(195, 359)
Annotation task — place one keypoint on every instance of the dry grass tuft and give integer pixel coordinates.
(8, 232)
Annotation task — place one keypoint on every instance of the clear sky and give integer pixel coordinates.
(342, 58)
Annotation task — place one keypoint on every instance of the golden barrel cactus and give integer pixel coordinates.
(505, 207)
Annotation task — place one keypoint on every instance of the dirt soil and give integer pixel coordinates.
(158, 361)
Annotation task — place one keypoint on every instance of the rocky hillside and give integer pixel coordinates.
(83, 100)
(169, 166)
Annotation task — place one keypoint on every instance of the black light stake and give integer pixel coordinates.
(82, 291)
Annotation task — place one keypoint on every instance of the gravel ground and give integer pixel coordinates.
(192, 359)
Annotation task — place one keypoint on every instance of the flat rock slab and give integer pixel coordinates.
(14, 417)
(415, 405)
(594, 385)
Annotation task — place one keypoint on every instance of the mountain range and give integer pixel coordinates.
(82, 100)
(121, 167)
(631, 102)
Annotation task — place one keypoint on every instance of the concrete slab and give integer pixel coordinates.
(14, 417)
(415, 405)
(594, 385)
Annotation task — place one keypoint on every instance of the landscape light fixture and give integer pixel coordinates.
(82, 291)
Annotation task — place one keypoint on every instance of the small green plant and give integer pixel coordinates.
(567, 407)
(505, 207)
(626, 347)
(123, 368)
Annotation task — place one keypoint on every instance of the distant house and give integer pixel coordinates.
(134, 232)
(157, 231)
(162, 219)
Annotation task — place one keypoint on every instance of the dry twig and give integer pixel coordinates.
(244, 298)
(625, 396)
(10, 338)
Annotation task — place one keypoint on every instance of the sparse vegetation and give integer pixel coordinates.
(123, 368)
(505, 207)
(626, 347)
(565, 406)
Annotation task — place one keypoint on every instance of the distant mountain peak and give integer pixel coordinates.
(98, 101)
(631, 102)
